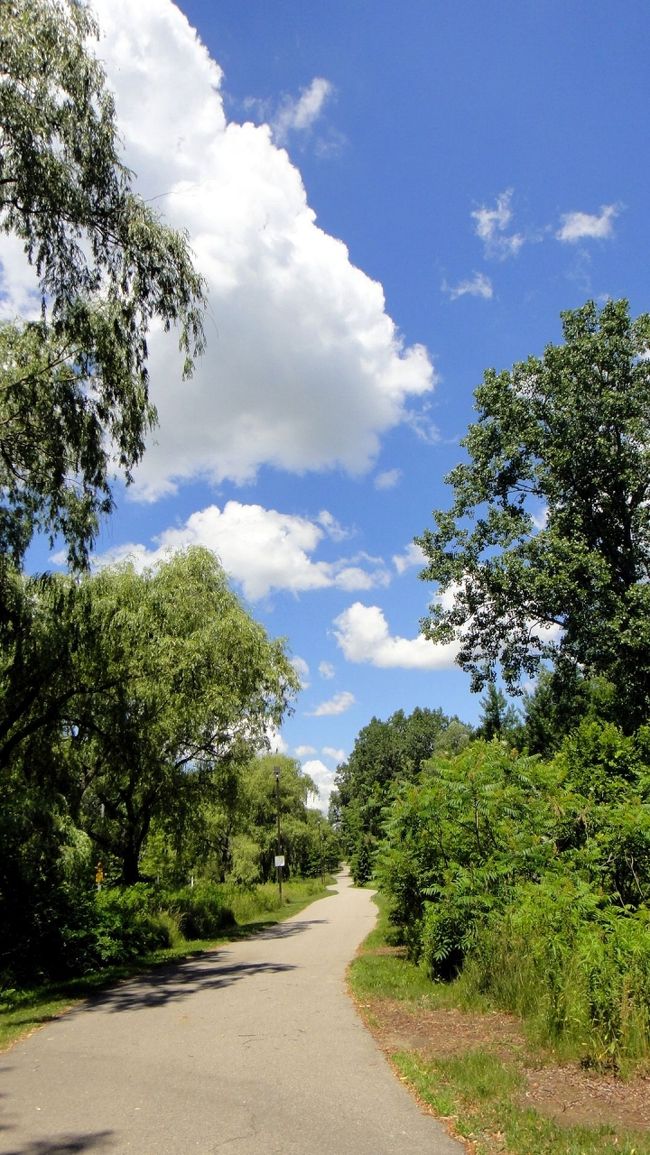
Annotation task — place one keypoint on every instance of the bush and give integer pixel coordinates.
(129, 925)
(576, 965)
(201, 910)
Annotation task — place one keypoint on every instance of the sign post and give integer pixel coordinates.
(279, 858)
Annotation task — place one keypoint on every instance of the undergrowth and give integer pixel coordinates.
(477, 1091)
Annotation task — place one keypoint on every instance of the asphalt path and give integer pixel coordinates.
(251, 1049)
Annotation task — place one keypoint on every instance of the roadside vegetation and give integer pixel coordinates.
(248, 910)
(516, 858)
(491, 1082)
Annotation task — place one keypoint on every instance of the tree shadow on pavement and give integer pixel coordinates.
(173, 983)
(288, 929)
(65, 1144)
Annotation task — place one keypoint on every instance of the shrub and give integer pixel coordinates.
(578, 966)
(201, 910)
(129, 925)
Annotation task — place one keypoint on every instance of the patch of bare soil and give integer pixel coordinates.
(565, 1092)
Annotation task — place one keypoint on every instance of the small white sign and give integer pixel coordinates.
(279, 860)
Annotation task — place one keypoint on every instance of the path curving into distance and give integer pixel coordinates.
(252, 1049)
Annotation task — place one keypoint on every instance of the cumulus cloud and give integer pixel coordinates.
(413, 555)
(491, 224)
(297, 335)
(276, 743)
(302, 669)
(477, 286)
(332, 527)
(261, 549)
(301, 114)
(334, 754)
(323, 779)
(326, 670)
(304, 751)
(362, 634)
(388, 479)
(585, 226)
(339, 704)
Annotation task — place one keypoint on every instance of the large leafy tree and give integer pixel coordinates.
(384, 754)
(187, 685)
(547, 542)
(74, 402)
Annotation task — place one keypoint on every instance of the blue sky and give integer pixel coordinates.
(386, 200)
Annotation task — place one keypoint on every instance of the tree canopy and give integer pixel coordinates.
(74, 403)
(547, 543)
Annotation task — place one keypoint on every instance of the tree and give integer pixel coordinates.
(384, 755)
(547, 544)
(74, 402)
(498, 720)
(176, 684)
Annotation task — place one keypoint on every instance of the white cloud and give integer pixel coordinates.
(583, 226)
(326, 670)
(388, 479)
(334, 754)
(413, 556)
(302, 670)
(304, 751)
(19, 293)
(332, 527)
(301, 114)
(491, 224)
(324, 780)
(478, 286)
(277, 744)
(261, 549)
(336, 705)
(363, 636)
(540, 517)
(304, 369)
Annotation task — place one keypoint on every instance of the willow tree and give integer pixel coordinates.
(188, 684)
(74, 402)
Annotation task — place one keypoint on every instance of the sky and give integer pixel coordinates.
(385, 200)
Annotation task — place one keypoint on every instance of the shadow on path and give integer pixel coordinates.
(66, 1144)
(288, 929)
(178, 982)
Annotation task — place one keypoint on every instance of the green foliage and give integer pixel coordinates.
(384, 755)
(129, 705)
(574, 964)
(46, 896)
(457, 842)
(533, 880)
(498, 719)
(176, 683)
(129, 925)
(73, 383)
(201, 910)
(567, 435)
(245, 855)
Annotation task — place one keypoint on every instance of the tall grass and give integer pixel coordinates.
(580, 974)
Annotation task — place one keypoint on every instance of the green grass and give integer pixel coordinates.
(478, 1090)
(392, 976)
(23, 1011)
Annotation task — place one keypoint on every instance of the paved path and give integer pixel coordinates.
(253, 1049)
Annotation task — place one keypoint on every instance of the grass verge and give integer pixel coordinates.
(22, 1012)
(478, 1093)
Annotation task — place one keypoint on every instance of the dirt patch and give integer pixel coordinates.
(571, 1095)
(564, 1092)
